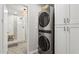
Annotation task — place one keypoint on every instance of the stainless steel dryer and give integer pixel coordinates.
(46, 18)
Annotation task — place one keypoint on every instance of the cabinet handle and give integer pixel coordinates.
(64, 28)
(64, 20)
(68, 20)
(68, 29)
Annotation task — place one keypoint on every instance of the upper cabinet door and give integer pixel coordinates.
(74, 13)
(61, 13)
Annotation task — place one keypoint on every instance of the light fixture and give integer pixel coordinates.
(5, 10)
(24, 11)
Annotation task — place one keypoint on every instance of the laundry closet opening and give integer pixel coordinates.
(16, 29)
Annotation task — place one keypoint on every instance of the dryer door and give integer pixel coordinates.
(44, 43)
(44, 19)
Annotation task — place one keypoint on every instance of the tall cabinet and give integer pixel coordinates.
(66, 28)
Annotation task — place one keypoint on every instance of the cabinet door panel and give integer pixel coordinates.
(60, 41)
(74, 40)
(74, 13)
(61, 13)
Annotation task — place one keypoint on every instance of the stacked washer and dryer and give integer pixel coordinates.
(45, 30)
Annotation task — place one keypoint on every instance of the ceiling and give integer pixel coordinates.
(16, 9)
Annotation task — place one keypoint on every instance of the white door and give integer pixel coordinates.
(20, 28)
(60, 40)
(61, 13)
(74, 13)
(74, 40)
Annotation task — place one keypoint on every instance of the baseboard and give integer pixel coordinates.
(34, 52)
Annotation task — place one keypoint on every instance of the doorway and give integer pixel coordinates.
(16, 29)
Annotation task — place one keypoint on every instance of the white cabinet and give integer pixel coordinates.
(61, 12)
(61, 20)
(60, 38)
(74, 40)
(74, 13)
(69, 37)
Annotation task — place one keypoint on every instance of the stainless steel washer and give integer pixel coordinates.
(45, 43)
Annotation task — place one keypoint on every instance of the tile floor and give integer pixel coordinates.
(18, 49)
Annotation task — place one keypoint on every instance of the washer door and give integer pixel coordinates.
(44, 19)
(44, 43)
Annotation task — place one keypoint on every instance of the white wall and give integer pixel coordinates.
(5, 26)
(11, 24)
(33, 28)
(1, 16)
